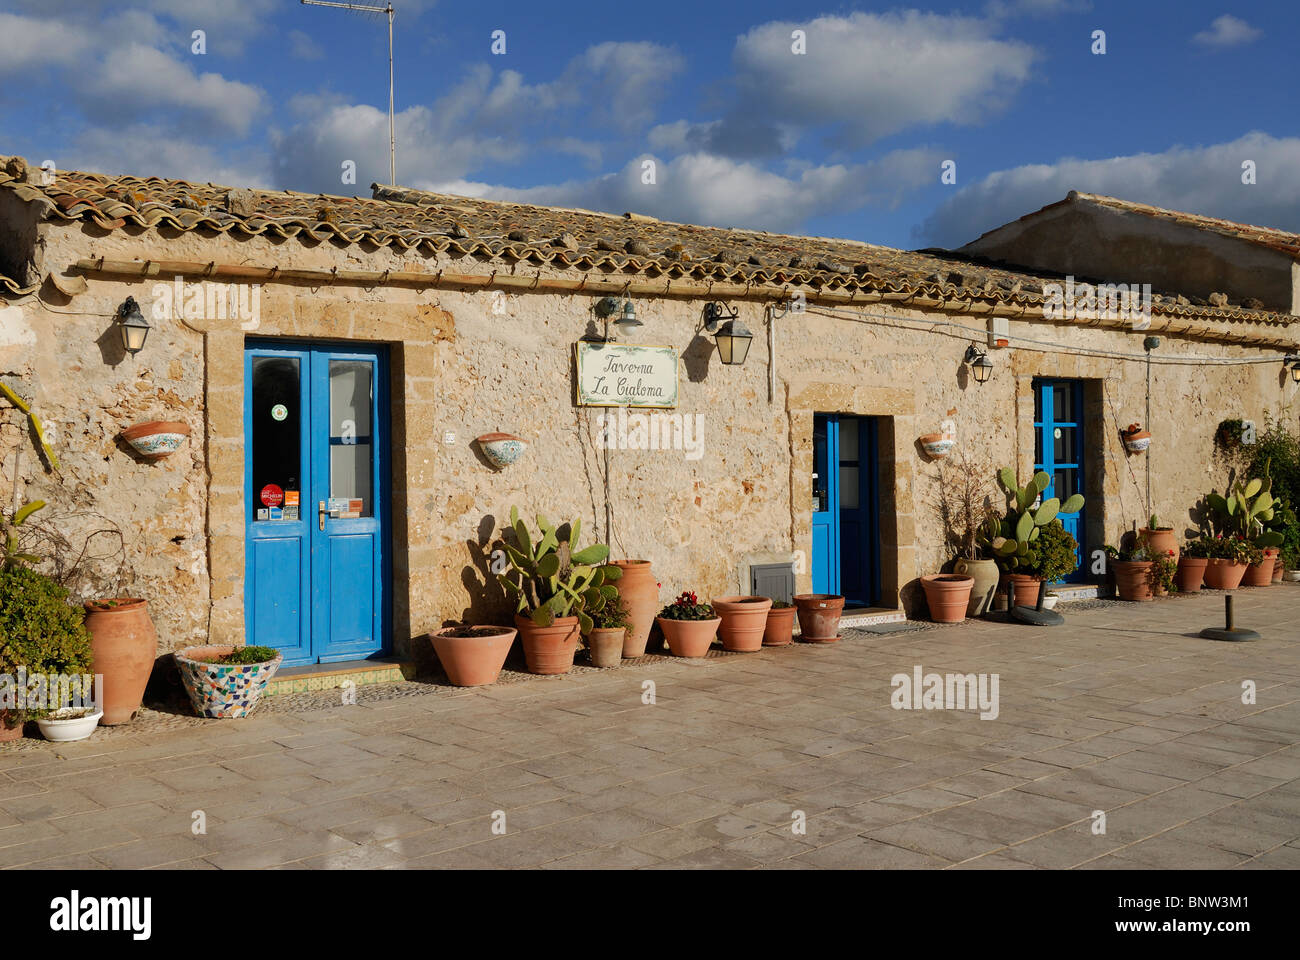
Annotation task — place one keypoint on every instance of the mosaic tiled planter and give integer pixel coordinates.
(223, 690)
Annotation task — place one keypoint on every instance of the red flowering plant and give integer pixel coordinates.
(687, 606)
(1234, 549)
(1161, 575)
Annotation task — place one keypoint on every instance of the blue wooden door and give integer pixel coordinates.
(1059, 451)
(845, 518)
(316, 477)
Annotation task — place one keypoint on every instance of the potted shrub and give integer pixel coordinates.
(1164, 572)
(969, 525)
(1191, 565)
(125, 646)
(779, 629)
(1160, 539)
(553, 583)
(819, 616)
(1229, 558)
(1132, 570)
(947, 595)
(688, 625)
(1013, 539)
(473, 656)
(1136, 440)
(743, 621)
(43, 636)
(1245, 512)
(224, 681)
(608, 633)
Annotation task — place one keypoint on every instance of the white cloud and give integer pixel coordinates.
(1035, 8)
(1227, 31)
(147, 149)
(26, 42)
(303, 47)
(708, 189)
(1205, 180)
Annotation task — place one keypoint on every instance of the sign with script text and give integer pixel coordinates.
(622, 375)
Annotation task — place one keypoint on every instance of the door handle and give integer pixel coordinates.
(321, 513)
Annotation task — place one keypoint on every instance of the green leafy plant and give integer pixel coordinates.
(246, 655)
(1138, 553)
(42, 633)
(610, 615)
(1277, 454)
(1052, 555)
(1009, 539)
(781, 605)
(1233, 549)
(550, 578)
(1246, 511)
(687, 606)
(12, 554)
(1164, 567)
(1198, 548)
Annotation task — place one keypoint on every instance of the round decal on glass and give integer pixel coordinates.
(272, 496)
(279, 412)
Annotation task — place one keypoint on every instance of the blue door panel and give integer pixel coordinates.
(1059, 451)
(317, 586)
(821, 561)
(845, 521)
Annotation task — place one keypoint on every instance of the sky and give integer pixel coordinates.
(816, 118)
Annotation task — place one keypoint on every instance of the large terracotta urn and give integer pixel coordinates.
(1132, 579)
(124, 644)
(640, 594)
(985, 575)
(1162, 541)
(548, 650)
(743, 621)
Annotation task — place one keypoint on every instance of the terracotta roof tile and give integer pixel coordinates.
(584, 240)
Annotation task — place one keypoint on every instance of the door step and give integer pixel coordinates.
(870, 616)
(330, 676)
(1076, 591)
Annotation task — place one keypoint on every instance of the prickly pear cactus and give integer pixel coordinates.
(1008, 540)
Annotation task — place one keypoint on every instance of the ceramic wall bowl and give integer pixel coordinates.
(501, 449)
(156, 439)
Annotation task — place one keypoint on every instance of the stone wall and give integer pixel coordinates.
(465, 364)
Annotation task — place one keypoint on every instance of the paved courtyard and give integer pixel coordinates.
(790, 758)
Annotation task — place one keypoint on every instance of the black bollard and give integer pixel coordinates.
(1230, 630)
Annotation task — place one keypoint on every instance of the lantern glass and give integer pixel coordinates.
(733, 342)
(1295, 370)
(134, 327)
(628, 317)
(983, 368)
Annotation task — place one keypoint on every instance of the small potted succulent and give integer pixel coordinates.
(779, 631)
(473, 656)
(689, 626)
(225, 681)
(1136, 440)
(608, 633)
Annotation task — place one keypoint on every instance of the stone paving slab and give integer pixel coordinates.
(790, 758)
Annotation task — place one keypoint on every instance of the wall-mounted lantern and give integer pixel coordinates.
(1294, 364)
(622, 312)
(980, 365)
(133, 326)
(732, 336)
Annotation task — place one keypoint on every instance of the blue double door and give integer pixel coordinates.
(846, 512)
(1059, 451)
(316, 488)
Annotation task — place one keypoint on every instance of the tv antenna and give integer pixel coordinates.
(392, 131)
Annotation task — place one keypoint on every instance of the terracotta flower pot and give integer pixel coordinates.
(985, 575)
(156, 439)
(947, 595)
(1223, 574)
(1261, 574)
(223, 690)
(1138, 441)
(1026, 589)
(605, 646)
(640, 594)
(1162, 541)
(779, 629)
(549, 650)
(473, 661)
(124, 645)
(819, 616)
(8, 733)
(1132, 579)
(743, 621)
(689, 638)
(1191, 574)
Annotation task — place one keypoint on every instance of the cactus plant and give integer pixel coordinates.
(550, 578)
(1247, 510)
(1008, 538)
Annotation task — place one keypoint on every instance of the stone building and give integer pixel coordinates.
(345, 353)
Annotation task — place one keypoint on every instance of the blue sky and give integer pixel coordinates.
(847, 139)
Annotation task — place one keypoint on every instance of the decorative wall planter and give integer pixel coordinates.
(743, 621)
(689, 638)
(819, 616)
(70, 723)
(124, 645)
(476, 659)
(1137, 441)
(986, 576)
(605, 646)
(156, 439)
(223, 690)
(1191, 574)
(1224, 574)
(640, 594)
(548, 650)
(501, 449)
(948, 596)
(779, 630)
(1261, 574)
(1132, 579)
(936, 445)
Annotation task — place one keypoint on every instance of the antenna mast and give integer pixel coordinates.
(392, 129)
